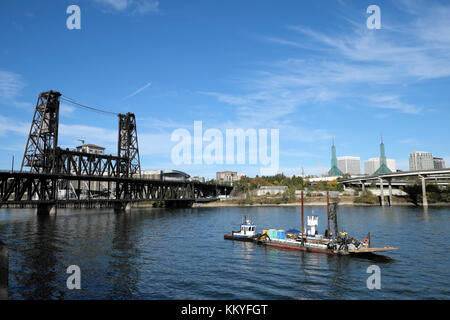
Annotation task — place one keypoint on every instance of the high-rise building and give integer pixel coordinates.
(439, 163)
(334, 171)
(349, 164)
(371, 165)
(420, 160)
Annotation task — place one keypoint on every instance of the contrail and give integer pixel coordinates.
(138, 91)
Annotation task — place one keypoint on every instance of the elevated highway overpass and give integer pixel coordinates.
(439, 176)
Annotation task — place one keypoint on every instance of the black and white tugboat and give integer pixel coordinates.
(246, 233)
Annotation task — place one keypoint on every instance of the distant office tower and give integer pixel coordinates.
(371, 165)
(439, 163)
(348, 164)
(420, 160)
(334, 171)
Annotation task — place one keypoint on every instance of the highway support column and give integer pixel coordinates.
(424, 192)
(381, 193)
(390, 192)
(4, 270)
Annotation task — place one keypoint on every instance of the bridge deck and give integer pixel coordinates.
(30, 188)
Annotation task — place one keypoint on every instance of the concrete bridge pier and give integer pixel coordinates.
(424, 192)
(363, 186)
(47, 209)
(120, 207)
(390, 192)
(381, 193)
(4, 270)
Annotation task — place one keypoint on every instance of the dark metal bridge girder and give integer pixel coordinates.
(27, 187)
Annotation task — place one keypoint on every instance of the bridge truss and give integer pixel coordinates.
(59, 175)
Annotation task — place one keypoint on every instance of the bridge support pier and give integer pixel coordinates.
(178, 204)
(381, 193)
(363, 186)
(4, 270)
(120, 207)
(47, 209)
(390, 192)
(424, 193)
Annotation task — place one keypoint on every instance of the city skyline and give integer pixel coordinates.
(313, 71)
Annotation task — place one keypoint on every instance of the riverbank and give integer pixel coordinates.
(291, 204)
(225, 203)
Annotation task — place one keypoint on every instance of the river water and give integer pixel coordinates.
(181, 254)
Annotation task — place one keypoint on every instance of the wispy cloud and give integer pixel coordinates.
(136, 6)
(10, 126)
(66, 110)
(10, 85)
(341, 63)
(366, 66)
(409, 141)
(394, 103)
(138, 91)
(70, 133)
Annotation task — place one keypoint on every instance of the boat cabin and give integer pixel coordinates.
(313, 222)
(247, 229)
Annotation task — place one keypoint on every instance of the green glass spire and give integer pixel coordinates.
(383, 163)
(334, 171)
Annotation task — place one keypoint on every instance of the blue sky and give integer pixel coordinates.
(311, 69)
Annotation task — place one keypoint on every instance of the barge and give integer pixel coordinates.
(308, 240)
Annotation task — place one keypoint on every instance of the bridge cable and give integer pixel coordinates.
(67, 99)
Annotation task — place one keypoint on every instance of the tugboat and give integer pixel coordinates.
(247, 232)
(308, 240)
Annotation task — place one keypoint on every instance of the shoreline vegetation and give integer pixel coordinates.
(233, 203)
(245, 193)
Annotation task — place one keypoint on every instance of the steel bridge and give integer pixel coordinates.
(57, 176)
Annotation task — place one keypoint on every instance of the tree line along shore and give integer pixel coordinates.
(245, 193)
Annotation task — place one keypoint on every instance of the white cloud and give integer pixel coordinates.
(70, 133)
(137, 6)
(146, 6)
(409, 141)
(382, 61)
(10, 85)
(116, 4)
(66, 110)
(394, 103)
(11, 126)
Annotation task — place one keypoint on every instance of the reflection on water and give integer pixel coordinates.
(37, 276)
(181, 254)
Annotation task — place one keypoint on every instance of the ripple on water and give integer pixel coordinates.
(181, 254)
